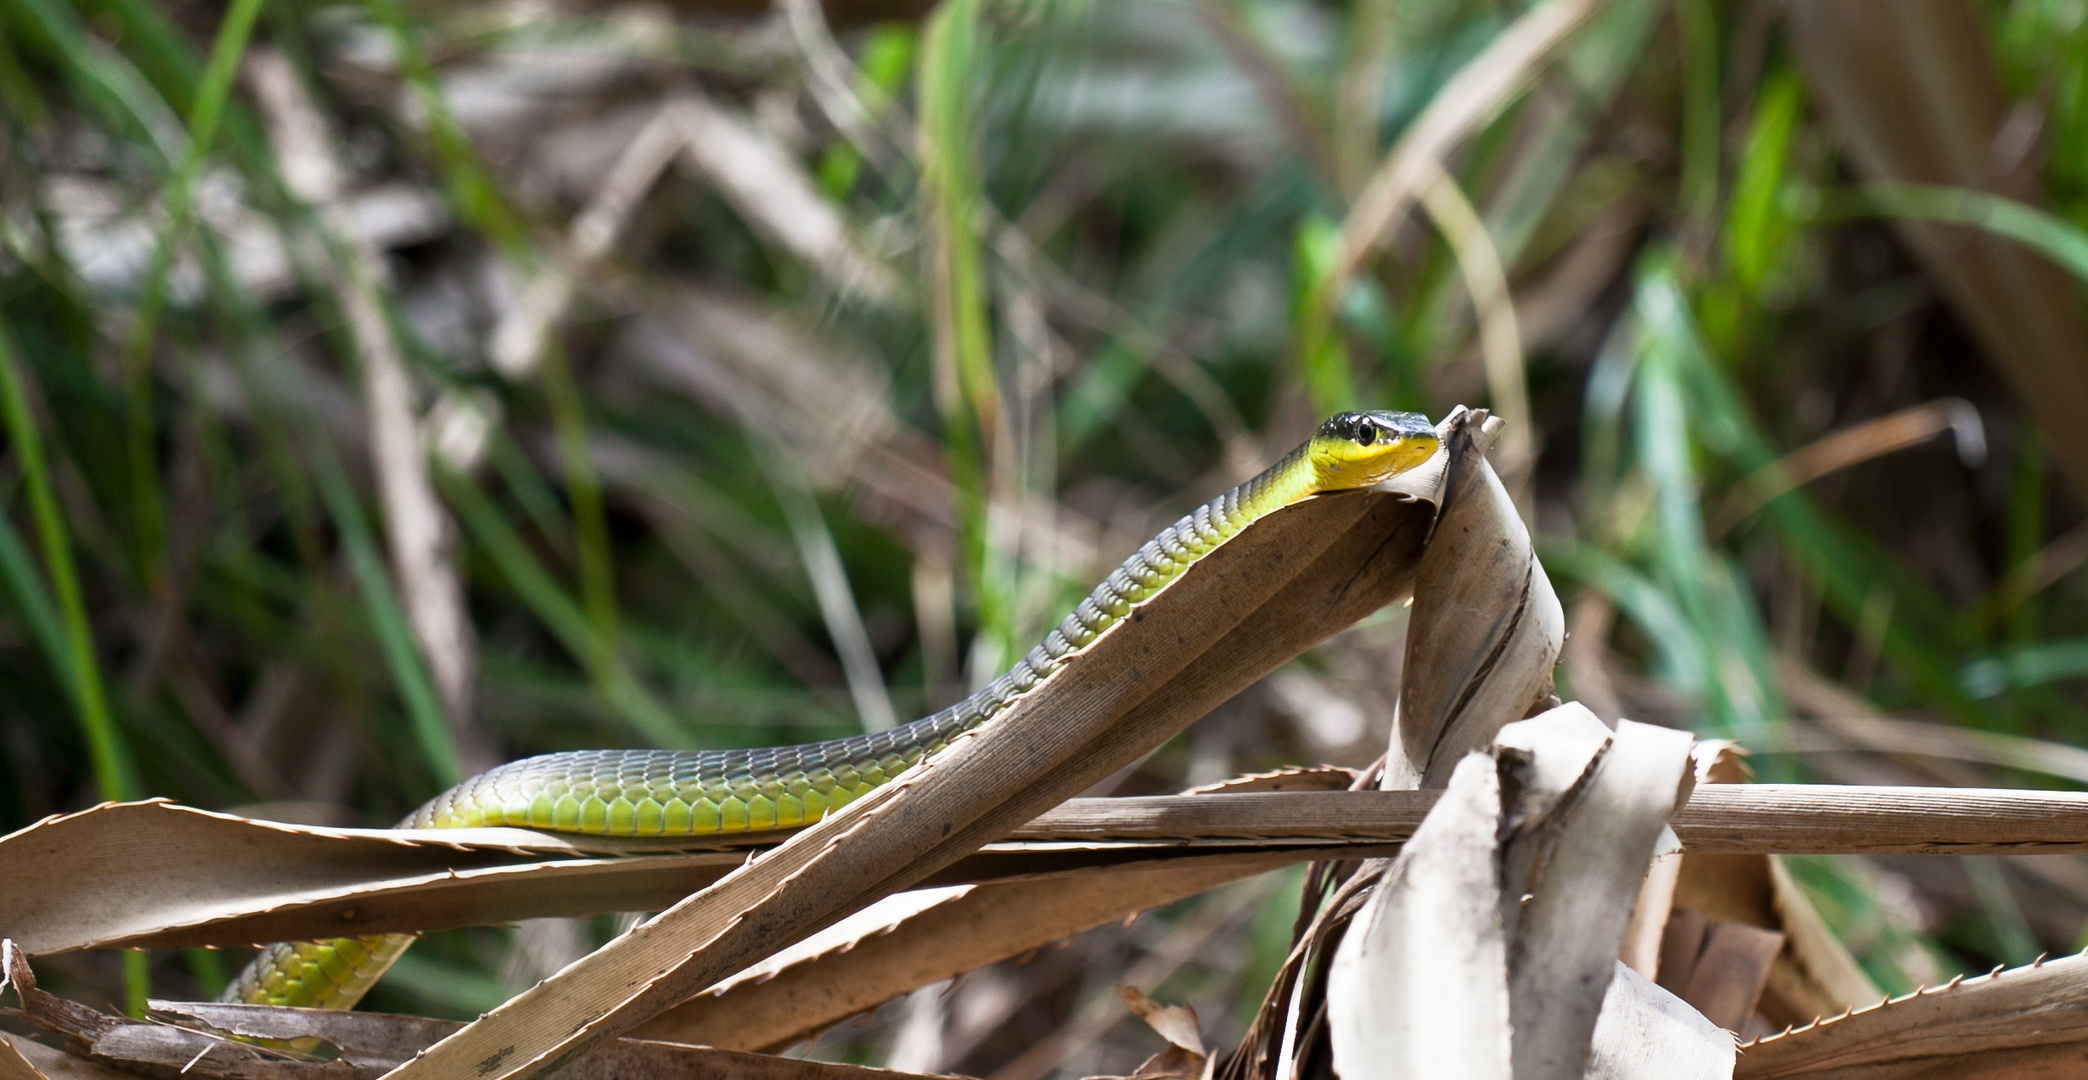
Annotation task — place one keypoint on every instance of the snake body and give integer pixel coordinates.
(710, 792)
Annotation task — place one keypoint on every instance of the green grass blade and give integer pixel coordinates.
(566, 620)
(178, 196)
(1696, 23)
(887, 59)
(1329, 379)
(113, 771)
(2053, 237)
(2030, 664)
(431, 731)
(844, 621)
(967, 392)
(1719, 612)
(1754, 225)
(1678, 658)
(34, 602)
(473, 193)
(102, 77)
(1847, 568)
(584, 493)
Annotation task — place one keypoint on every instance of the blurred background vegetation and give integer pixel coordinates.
(396, 388)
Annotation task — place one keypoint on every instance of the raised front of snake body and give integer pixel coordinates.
(708, 792)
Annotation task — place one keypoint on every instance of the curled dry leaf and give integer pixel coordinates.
(141, 873)
(1175, 1023)
(1816, 972)
(1489, 945)
(1419, 983)
(1761, 946)
(2026, 1022)
(1645, 1033)
(1485, 629)
(1718, 967)
(1184, 1058)
(1592, 852)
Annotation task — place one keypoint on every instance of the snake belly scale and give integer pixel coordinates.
(711, 792)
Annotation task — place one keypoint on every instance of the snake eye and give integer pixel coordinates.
(1366, 433)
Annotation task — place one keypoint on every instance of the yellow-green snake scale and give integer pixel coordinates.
(710, 792)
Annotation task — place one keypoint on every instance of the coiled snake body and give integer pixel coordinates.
(709, 792)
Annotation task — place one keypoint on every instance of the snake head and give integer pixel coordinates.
(1358, 449)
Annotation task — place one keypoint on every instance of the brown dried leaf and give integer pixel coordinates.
(1646, 1033)
(154, 873)
(1812, 975)
(1175, 1023)
(1485, 629)
(1728, 970)
(13, 1066)
(1419, 983)
(2027, 1022)
(986, 924)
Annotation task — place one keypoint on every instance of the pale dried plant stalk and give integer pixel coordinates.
(1500, 338)
(771, 190)
(517, 346)
(1851, 446)
(417, 529)
(1472, 97)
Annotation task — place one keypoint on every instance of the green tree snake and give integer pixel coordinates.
(709, 792)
